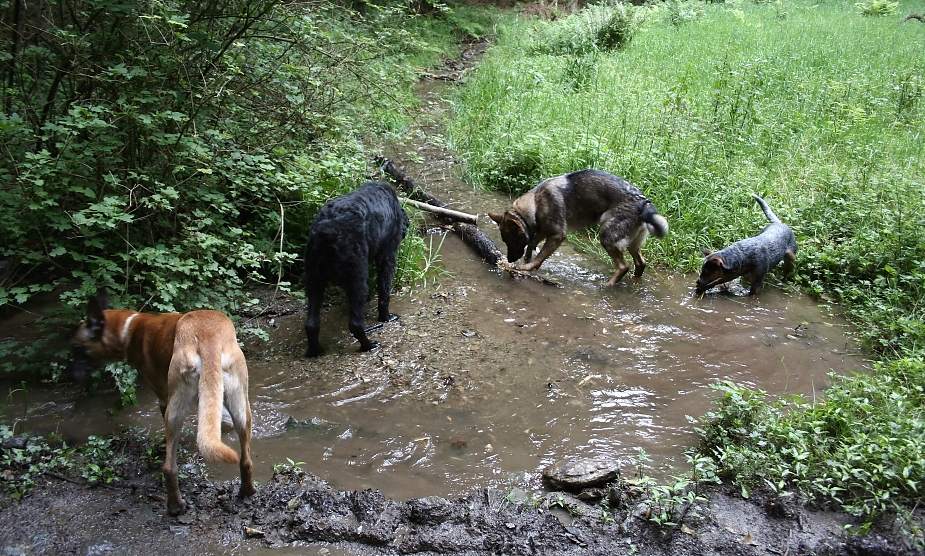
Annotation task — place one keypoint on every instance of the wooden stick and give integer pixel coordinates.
(469, 234)
(449, 213)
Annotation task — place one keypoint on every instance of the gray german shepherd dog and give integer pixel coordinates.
(574, 202)
(751, 257)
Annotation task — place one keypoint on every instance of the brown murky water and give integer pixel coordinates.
(486, 380)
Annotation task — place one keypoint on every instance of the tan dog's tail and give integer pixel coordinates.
(211, 401)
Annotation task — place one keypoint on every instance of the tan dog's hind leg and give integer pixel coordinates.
(182, 394)
(549, 247)
(240, 409)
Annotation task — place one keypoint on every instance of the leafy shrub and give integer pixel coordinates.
(514, 169)
(579, 71)
(175, 151)
(861, 449)
(601, 27)
(877, 7)
(99, 461)
(679, 12)
(21, 467)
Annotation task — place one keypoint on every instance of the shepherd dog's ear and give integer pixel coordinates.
(95, 317)
(497, 217)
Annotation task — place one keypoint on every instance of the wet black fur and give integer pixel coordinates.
(348, 234)
(752, 257)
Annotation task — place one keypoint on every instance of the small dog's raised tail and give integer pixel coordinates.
(655, 222)
(769, 214)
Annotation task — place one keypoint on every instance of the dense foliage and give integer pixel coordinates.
(819, 107)
(861, 448)
(174, 151)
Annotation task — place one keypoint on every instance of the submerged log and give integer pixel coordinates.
(471, 235)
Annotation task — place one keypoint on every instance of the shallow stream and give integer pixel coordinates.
(485, 380)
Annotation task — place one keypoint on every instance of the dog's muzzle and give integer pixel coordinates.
(80, 366)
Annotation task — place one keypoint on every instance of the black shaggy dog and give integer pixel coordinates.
(349, 233)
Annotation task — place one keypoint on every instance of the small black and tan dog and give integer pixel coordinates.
(574, 202)
(751, 258)
(350, 232)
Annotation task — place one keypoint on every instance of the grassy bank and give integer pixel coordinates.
(814, 105)
(175, 152)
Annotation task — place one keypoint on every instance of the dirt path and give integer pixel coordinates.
(423, 400)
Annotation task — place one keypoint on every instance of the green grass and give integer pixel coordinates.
(814, 105)
(862, 448)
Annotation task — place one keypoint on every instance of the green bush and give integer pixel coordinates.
(601, 27)
(861, 449)
(175, 152)
(877, 7)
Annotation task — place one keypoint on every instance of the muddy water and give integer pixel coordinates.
(485, 380)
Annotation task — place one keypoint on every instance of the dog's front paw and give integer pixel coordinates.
(372, 345)
(176, 507)
(246, 491)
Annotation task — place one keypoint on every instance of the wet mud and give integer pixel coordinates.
(298, 513)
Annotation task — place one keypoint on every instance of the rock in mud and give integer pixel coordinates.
(15, 443)
(593, 494)
(577, 474)
(571, 504)
(430, 510)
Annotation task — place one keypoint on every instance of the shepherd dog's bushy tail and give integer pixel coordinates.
(655, 222)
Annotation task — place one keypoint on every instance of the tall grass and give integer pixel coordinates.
(813, 105)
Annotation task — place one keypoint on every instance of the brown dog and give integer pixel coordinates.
(182, 357)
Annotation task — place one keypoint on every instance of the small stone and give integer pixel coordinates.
(591, 494)
(253, 533)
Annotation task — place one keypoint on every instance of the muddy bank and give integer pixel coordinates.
(298, 511)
